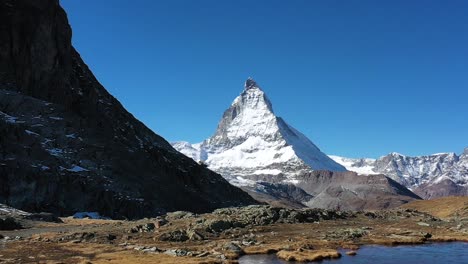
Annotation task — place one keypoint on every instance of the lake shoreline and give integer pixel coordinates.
(436, 249)
(225, 235)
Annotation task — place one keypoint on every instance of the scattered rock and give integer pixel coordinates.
(231, 246)
(151, 250)
(175, 236)
(194, 235)
(370, 215)
(218, 225)
(46, 217)
(249, 242)
(423, 224)
(260, 215)
(111, 237)
(79, 237)
(179, 215)
(176, 252)
(149, 227)
(9, 223)
(160, 222)
(202, 255)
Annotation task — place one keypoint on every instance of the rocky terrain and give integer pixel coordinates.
(334, 190)
(432, 176)
(67, 145)
(226, 234)
(350, 191)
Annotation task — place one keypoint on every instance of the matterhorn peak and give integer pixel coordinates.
(250, 84)
(251, 141)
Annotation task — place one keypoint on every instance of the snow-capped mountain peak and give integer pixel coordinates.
(250, 114)
(414, 172)
(251, 140)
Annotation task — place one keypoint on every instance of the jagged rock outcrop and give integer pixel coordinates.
(67, 145)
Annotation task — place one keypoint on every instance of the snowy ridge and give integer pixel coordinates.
(413, 171)
(361, 166)
(251, 140)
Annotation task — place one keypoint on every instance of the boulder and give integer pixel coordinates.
(175, 236)
(9, 223)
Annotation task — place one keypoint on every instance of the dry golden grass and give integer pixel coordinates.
(446, 207)
(308, 255)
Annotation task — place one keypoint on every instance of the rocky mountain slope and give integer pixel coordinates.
(437, 175)
(350, 191)
(67, 145)
(259, 151)
(252, 143)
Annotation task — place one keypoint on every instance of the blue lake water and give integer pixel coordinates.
(453, 253)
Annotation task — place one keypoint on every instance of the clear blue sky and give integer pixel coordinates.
(360, 78)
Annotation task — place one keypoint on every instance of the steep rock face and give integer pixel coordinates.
(67, 145)
(441, 174)
(251, 143)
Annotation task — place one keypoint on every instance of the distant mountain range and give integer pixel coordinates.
(437, 175)
(252, 146)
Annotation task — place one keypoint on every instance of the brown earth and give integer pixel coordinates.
(446, 207)
(225, 235)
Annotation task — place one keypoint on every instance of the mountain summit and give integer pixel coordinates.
(251, 143)
(250, 84)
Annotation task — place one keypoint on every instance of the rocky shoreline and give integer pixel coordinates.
(224, 235)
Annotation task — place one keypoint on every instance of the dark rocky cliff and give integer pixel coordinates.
(67, 145)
